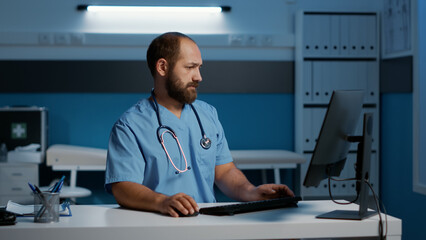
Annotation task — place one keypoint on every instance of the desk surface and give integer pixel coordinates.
(110, 222)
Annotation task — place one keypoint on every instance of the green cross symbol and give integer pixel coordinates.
(19, 130)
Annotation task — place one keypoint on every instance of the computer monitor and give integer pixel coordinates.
(332, 148)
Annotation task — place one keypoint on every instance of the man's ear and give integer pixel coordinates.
(162, 67)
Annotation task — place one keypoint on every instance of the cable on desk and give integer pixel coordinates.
(382, 234)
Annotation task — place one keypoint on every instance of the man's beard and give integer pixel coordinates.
(179, 91)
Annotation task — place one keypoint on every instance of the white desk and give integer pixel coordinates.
(267, 159)
(109, 222)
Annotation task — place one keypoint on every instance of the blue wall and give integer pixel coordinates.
(397, 163)
(250, 121)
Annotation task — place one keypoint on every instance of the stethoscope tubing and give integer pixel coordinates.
(205, 142)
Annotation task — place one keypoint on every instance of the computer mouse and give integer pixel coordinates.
(188, 215)
(7, 218)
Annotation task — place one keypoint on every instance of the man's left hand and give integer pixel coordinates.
(270, 191)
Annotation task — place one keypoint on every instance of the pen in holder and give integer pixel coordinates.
(46, 207)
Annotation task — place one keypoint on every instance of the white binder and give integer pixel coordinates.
(308, 141)
(324, 35)
(344, 35)
(334, 35)
(354, 35)
(373, 92)
(371, 36)
(307, 82)
(309, 40)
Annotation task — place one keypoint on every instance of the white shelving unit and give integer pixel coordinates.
(335, 51)
(21, 127)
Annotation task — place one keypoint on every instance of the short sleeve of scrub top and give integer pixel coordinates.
(135, 154)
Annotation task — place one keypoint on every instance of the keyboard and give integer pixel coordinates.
(244, 207)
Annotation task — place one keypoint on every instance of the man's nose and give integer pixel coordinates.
(197, 77)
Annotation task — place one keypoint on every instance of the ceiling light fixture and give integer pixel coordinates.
(153, 9)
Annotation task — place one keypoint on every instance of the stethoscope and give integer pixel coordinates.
(205, 142)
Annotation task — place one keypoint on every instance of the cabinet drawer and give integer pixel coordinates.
(27, 172)
(14, 188)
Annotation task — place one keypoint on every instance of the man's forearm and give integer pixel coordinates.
(136, 196)
(234, 184)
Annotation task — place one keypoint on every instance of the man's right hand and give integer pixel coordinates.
(180, 202)
(137, 196)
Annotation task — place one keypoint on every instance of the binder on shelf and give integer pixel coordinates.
(307, 82)
(324, 35)
(344, 35)
(307, 130)
(335, 79)
(316, 26)
(317, 79)
(354, 36)
(372, 95)
(334, 35)
(309, 35)
(371, 35)
(322, 76)
(363, 27)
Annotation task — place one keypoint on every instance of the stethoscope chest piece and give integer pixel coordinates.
(205, 142)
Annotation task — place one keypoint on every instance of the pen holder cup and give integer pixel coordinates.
(46, 207)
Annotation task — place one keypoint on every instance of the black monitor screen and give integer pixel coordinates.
(331, 150)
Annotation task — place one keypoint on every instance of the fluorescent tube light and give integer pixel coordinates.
(153, 9)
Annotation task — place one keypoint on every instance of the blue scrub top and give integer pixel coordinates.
(136, 155)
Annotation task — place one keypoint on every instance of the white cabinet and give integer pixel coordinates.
(14, 178)
(335, 51)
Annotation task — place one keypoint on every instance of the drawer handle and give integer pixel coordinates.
(16, 174)
(16, 189)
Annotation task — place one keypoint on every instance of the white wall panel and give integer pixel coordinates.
(25, 26)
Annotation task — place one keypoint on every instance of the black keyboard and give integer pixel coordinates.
(231, 209)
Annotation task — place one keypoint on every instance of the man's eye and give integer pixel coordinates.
(193, 67)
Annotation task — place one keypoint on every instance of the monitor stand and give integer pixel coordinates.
(346, 214)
